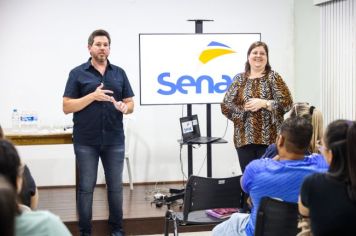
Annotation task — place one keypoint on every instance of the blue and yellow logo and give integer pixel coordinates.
(214, 50)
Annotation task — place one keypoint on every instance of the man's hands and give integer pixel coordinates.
(102, 95)
(119, 105)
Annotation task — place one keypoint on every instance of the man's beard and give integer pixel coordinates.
(100, 58)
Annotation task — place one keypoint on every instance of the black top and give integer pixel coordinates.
(28, 187)
(100, 123)
(331, 210)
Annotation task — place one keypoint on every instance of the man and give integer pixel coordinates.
(98, 93)
(280, 177)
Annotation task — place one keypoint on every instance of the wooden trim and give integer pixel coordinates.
(40, 139)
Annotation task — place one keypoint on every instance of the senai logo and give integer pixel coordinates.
(214, 50)
(184, 82)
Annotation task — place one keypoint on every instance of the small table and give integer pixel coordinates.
(21, 139)
(50, 138)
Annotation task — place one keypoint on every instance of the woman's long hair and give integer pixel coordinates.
(303, 109)
(8, 208)
(340, 138)
(10, 164)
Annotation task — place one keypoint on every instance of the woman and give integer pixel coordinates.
(29, 192)
(8, 208)
(27, 222)
(330, 198)
(303, 109)
(256, 102)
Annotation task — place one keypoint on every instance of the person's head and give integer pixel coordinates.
(8, 208)
(10, 164)
(257, 58)
(303, 109)
(99, 45)
(339, 149)
(294, 136)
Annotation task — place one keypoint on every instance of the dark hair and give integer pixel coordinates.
(340, 138)
(99, 32)
(10, 163)
(255, 45)
(8, 207)
(297, 132)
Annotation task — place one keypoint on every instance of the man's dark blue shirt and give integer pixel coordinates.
(99, 123)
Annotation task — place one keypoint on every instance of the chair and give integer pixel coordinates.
(126, 121)
(202, 193)
(276, 217)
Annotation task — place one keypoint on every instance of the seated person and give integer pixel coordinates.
(27, 222)
(316, 118)
(330, 198)
(8, 208)
(278, 178)
(29, 192)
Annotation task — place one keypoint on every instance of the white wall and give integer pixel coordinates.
(307, 53)
(42, 40)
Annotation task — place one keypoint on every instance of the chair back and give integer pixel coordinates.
(202, 193)
(276, 217)
(127, 119)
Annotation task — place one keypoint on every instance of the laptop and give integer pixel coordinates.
(191, 131)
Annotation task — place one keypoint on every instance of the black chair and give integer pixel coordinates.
(276, 217)
(202, 193)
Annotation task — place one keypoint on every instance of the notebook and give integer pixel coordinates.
(191, 131)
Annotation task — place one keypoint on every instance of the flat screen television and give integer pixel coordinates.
(190, 68)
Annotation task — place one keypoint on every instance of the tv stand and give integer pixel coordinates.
(208, 155)
(199, 30)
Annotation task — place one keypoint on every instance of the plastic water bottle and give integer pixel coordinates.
(24, 121)
(33, 121)
(15, 120)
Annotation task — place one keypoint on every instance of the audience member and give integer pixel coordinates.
(256, 102)
(330, 198)
(8, 208)
(29, 192)
(311, 113)
(27, 222)
(278, 178)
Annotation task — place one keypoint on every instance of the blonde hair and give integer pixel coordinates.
(316, 118)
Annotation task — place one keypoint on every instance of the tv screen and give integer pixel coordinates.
(190, 68)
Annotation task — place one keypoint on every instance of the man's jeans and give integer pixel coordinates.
(234, 226)
(112, 158)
